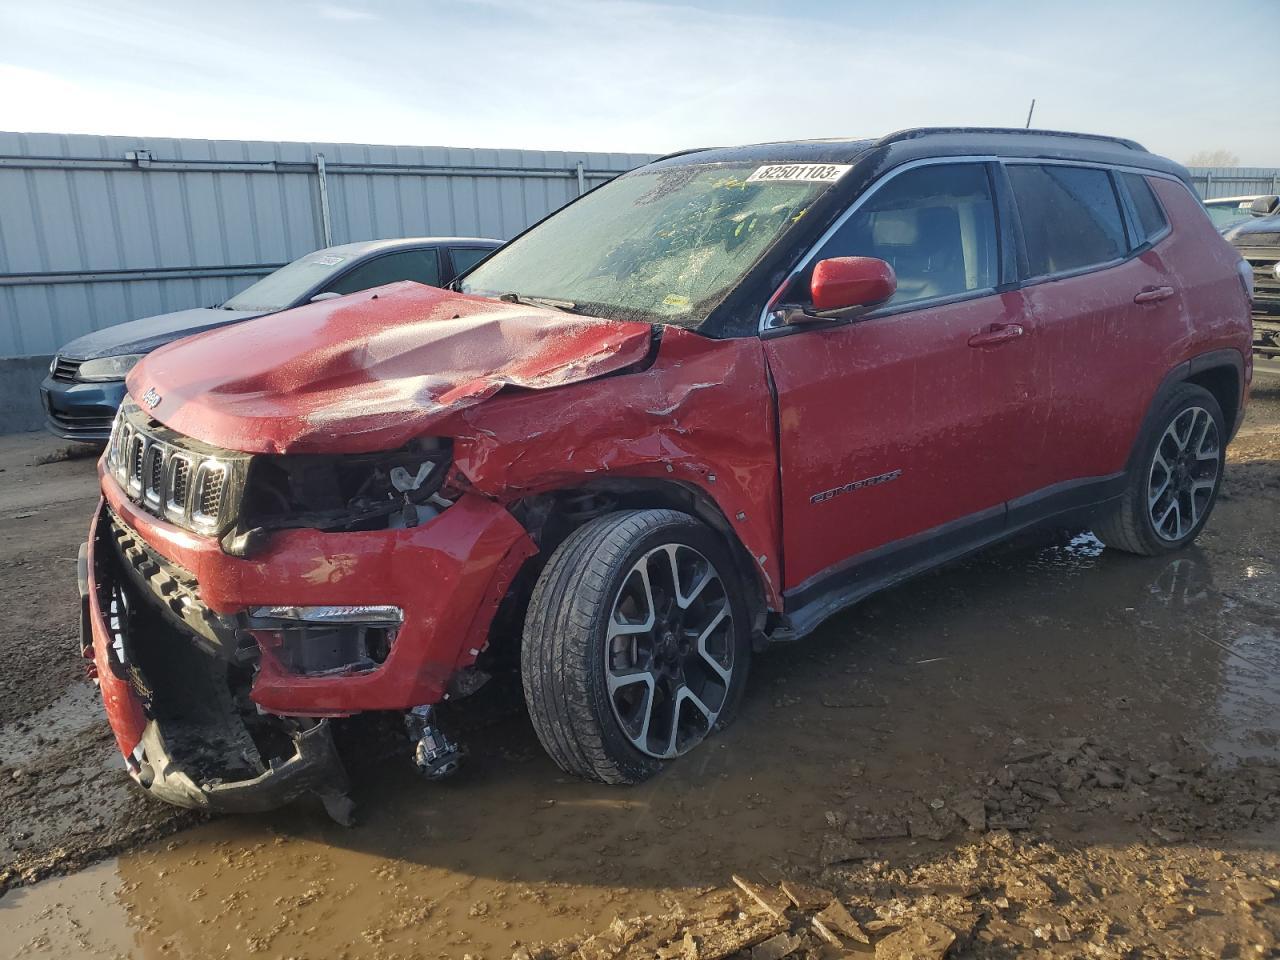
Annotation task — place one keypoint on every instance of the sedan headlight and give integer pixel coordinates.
(108, 368)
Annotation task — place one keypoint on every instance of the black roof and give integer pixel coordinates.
(922, 142)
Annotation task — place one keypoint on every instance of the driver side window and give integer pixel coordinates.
(935, 225)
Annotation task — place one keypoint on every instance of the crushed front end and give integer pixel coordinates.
(236, 604)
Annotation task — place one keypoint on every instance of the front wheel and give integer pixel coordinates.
(1174, 482)
(635, 644)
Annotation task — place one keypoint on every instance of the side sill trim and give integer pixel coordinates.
(807, 605)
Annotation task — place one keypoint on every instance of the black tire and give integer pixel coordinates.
(1129, 524)
(563, 658)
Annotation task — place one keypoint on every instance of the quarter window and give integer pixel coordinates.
(420, 265)
(1151, 219)
(1070, 217)
(935, 225)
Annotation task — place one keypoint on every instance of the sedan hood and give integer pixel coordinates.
(143, 336)
(372, 370)
(1258, 232)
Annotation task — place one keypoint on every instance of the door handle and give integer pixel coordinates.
(1153, 294)
(997, 333)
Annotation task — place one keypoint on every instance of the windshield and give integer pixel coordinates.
(282, 288)
(663, 245)
(1225, 215)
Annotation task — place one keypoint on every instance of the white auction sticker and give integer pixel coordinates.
(800, 172)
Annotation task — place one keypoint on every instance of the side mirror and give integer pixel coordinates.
(1264, 206)
(327, 295)
(842, 285)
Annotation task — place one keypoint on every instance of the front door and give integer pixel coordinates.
(905, 432)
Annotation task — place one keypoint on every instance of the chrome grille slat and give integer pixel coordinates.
(176, 502)
(137, 455)
(206, 499)
(153, 473)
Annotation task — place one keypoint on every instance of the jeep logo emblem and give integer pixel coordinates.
(151, 399)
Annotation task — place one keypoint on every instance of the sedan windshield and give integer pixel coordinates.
(664, 245)
(283, 287)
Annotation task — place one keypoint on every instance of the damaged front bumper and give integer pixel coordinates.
(205, 706)
(314, 768)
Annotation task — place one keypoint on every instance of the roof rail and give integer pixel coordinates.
(681, 153)
(916, 132)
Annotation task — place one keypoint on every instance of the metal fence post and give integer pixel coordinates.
(582, 179)
(326, 226)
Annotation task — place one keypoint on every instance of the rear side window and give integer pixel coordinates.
(1151, 219)
(420, 265)
(1070, 217)
(935, 225)
(464, 258)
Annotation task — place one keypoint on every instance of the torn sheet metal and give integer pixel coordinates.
(700, 415)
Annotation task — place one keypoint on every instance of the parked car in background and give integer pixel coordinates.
(1226, 212)
(86, 378)
(1258, 240)
(696, 411)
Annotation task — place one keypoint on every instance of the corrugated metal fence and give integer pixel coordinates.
(1214, 182)
(98, 230)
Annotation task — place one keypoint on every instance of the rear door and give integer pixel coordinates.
(1105, 309)
(911, 420)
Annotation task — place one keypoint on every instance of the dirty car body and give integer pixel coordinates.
(696, 411)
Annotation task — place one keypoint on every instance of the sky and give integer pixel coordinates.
(638, 75)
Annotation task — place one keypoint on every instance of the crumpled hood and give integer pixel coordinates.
(372, 370)
(143, 336)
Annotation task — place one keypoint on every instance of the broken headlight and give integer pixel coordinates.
(347, 492)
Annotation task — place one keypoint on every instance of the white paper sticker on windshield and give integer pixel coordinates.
(328, 261)
(800, 172)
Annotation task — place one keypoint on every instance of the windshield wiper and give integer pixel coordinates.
(568, 306)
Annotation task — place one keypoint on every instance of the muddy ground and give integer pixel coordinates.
(1046, 750)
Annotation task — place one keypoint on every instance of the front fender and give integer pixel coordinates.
(702, 414)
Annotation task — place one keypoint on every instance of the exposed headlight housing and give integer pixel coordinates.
(108, 368)
(347, 492)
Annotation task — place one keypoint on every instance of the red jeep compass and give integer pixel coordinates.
(697, 411)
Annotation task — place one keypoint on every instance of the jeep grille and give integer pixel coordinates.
(178, 479)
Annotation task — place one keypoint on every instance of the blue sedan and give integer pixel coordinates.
(86, 379)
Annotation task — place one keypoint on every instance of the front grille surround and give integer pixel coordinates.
(190, 484)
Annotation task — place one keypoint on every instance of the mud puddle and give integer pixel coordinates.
(1158, 674)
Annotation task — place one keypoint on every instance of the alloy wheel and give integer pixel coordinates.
(669, 651)
(1184, 473)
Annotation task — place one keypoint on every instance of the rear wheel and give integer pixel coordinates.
(1174, 482)
(635, 644)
